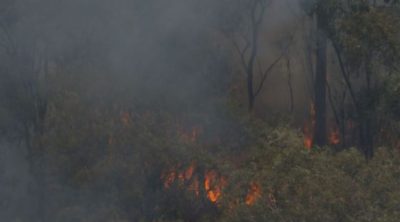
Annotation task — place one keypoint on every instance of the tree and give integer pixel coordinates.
(365, 41)
(246, 40)
(320, 84)
(24, 73)
(321, 12)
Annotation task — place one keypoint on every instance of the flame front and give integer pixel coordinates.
(213, 183)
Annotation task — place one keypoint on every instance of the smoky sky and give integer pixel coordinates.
(154, 47)
(170, 49)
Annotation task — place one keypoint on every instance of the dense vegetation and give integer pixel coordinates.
(152, 111)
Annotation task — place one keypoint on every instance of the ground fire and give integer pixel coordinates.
(308, 129)
(213, 184)
(253, 194)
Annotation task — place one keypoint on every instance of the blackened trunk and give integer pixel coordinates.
(250, 91)
(366, 139)
(320, 137)
(367, 118)
(38, 185)
(255, 23)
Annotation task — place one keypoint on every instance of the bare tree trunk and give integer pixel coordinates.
(250, 90)
(320, 137)
(34, 88)
(255, 26)
(290, 85)
(363, 110)
(366, 128)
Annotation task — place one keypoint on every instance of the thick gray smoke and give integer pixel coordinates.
(149, 54)
(14, 180)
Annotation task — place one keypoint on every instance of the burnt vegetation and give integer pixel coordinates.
(199, 110)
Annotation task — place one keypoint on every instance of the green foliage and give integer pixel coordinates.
(112, 161)
(391, 95)
(372, 33)
(318, 185)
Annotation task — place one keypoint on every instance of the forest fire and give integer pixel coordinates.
(253, 194)
(170, 176)
(213, 182)
(196, 111)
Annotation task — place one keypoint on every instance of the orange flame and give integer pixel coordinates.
(169, 178)
(189, 171)
(213, 184)
(253, 194)
(334, 136)
(308, 138)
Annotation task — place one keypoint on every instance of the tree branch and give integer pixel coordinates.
(276, 61)
(242, 52)
(266, 74)
(345, 74)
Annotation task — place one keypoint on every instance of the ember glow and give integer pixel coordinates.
(168, 178)
(253, 194)
(334, 136)
(189, 172)
(308, 136)
(308, 129)
(213, 185)
(183, 176)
